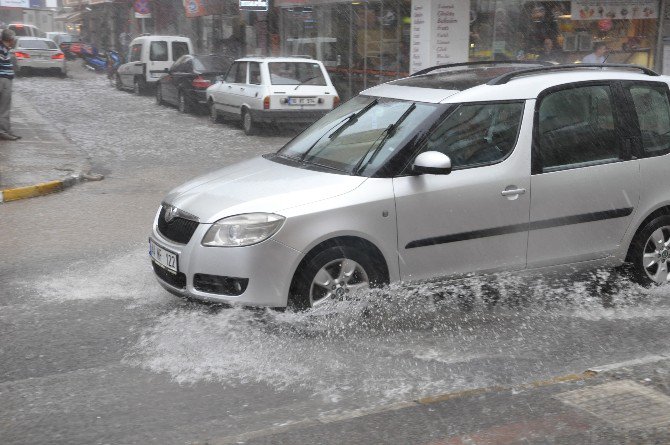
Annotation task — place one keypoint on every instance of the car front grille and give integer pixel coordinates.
(179, 230)
(177, 280)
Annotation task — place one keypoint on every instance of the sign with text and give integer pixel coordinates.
(439, 33)
(15, 3)
(614, 9)
(253, 5)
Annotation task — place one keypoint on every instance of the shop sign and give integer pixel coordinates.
(141, 7)
(614, 9)
(15, 3)
(253, 5)
(439, 33)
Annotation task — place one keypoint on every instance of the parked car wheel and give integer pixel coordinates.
(159, 94)
(334, 273)
(138, 87)
(183, 104)
(214, 115)
(650, 252)
(248, 124)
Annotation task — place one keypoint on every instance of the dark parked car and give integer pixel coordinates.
(187, 80)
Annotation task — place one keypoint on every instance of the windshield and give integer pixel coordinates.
(359, 136)
(296, 73)
(210, 64)
(36, 44)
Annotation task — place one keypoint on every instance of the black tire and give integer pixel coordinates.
(182, 104)
(159, 95)
(248, 125)
(306, 293)
(117, 82)
(649, 256)
(214, 116)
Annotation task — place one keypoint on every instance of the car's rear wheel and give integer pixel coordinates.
(650, 252)
(214, 115)
(159, 94)
(248, 124)
(335, 273)
(183, 103)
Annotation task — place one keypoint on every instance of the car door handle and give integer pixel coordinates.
(513, 192)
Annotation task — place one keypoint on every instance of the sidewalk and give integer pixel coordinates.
(42, 162)
(622, 403)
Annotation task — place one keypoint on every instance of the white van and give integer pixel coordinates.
(149, 59)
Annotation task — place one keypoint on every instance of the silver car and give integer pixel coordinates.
(37, 53)
(473, 168)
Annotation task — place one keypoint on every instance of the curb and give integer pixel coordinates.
(41, 189)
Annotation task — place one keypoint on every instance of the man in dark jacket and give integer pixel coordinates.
(6, 76)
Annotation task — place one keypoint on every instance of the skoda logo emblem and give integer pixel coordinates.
(170, 213)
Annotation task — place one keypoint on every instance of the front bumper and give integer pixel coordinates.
(268, 266)
(288, 116)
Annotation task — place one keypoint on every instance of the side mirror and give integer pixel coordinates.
(432, 163)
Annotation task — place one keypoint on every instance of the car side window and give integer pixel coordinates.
(135, 52)
(232, 72)
(254, 73)
(577, 127)
(653, 115)
(477, 134)
(241, 74)
(158, 51)
(179, 49)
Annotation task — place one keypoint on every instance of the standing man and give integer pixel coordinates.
(598, 55)
(6, 76)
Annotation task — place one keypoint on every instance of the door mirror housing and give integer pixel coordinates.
(432, 163)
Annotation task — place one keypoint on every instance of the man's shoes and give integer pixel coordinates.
(9, 137)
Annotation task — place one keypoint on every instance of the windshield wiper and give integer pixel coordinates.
(352, 119)
(382, 138)
(304, 82)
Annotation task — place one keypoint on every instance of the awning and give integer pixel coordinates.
(70, 17)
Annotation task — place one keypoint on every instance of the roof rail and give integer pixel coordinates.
(509, 76)
(482, 62)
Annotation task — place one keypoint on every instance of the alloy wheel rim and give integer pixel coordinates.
(336, 280)
(656, 255)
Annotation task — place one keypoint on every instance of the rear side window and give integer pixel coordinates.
(179, 49)
(576, 128)
(653, 115)
(477, 134)
(135, 52)
(158, 51)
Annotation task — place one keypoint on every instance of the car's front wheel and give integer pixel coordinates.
(650, 252)
(334, 273)
(248, 124)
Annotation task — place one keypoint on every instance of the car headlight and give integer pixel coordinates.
(242, 230)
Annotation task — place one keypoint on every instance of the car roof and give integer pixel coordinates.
(176, 38)
(277, 59)
(478, 83)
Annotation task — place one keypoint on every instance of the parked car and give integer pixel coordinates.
(471, 169)
(149, 59)
(188, 79)
(25, 30)
(37, 53)
(70, 45)
(272, 90)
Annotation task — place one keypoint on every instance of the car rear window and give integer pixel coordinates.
(36, 44)
(296, 73)
(158, 51)
(210, 64)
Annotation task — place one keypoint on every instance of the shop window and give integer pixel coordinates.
(576, 128)
(158, 51)
(477, 134)
(653, 114)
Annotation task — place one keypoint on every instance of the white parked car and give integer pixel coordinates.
(474, 168)
(37, 53)
(272, 90)
(149, 59)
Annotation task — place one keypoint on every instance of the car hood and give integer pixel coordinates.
(257, 185)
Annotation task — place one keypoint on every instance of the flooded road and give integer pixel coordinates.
(95, 351)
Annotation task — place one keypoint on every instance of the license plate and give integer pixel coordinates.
(163, 257)
(302, 100)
